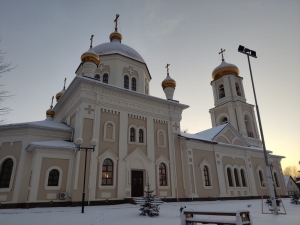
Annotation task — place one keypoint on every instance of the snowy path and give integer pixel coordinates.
(127, 214)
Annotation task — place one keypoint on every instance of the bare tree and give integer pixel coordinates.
(291, 170)
(4, 68)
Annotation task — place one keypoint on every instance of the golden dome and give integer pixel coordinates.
(50, 113)
(90, 56)
(59, 94)
(225, 69)
(115, 36)
(168, 82)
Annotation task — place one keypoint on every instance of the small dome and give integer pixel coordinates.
(115, 36)
(90, 56)
(168, 82)
(225, 69)
(50, 113)
(59, 94)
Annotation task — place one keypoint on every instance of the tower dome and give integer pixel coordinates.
(90, 56)
(168, 82)
(50, 112)
(225, 69)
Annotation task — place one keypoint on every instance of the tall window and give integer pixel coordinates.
(5, 173)
(229, 176)
(105, 78)
(53, 178)
(221, 91)
(236, 177)
(248, 126)
(243, 178)
(261, 178)
(109, 134)
(132, 134)
(276, 179)
(224, 120)
(97, 76)
(126, 82)
(133, 84)
(206, 176)
(107, 172)
(162, 175)
(141, 136)
(237, 88)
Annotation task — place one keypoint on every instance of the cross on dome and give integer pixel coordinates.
(221, 52)
(65, 83)
(167, 66)
(116, 21)
(51, 106)
(91, 45)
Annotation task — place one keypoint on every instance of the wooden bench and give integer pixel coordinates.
(140, 200)
(188, 217)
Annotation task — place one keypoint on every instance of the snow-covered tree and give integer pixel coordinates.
(149, 208)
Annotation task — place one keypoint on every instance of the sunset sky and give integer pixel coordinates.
(45, 40)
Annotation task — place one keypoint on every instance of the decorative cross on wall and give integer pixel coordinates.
(101, 67)
(175, 126)
(130, 70)
(89, 109)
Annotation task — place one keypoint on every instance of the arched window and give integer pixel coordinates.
(107, 172)
(276, 179)
(161, 139)
(229, 176)
(126, 82)
(5, 173)
(141, 136)
(248, 126)
(236, 177)
(224, 120)
(237, 88)
(261, 178)
(206, 176)
(53, 178)
(243, 178)
(97, 77)
(221, 91)
(105, 78)
(162, 175)
(132, 134)
(133, 84)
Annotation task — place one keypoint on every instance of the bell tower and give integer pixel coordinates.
(230, 102)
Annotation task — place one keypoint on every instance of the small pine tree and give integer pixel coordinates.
(149, 208)
(295, 199)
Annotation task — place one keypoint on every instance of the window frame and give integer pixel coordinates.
(105, 75)
(163, 173)
(107, 171)
(108, 154)
(126, 80)
(219, 91)
(163, 145)
(229, 175)
(12, 176)
(236, 177)
(243, 178)
(166, 162)
(59, 179)
(97, 76)
(204, 164)
(133, 84)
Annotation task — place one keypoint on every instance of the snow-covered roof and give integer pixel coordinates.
(206, 135)
(50, 124)
(115, 47)
(286, 179)
(52, 144)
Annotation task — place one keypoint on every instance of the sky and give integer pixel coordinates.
(45, 39)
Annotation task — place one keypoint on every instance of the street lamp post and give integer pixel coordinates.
(79, 142)
(252, 53)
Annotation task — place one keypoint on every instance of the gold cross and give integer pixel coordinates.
(167, 66)
(51, 106)
(65, 84)
(221, 52)
(91, 41)
(89, 109)
(116, 21)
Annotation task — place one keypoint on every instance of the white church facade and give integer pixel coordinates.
(139, 140)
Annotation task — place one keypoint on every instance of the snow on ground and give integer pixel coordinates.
(127, 214)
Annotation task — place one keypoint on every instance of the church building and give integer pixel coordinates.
(139, 140)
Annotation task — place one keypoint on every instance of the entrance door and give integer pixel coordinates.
(137, 183)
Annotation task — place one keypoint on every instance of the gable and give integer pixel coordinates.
(229, 135)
